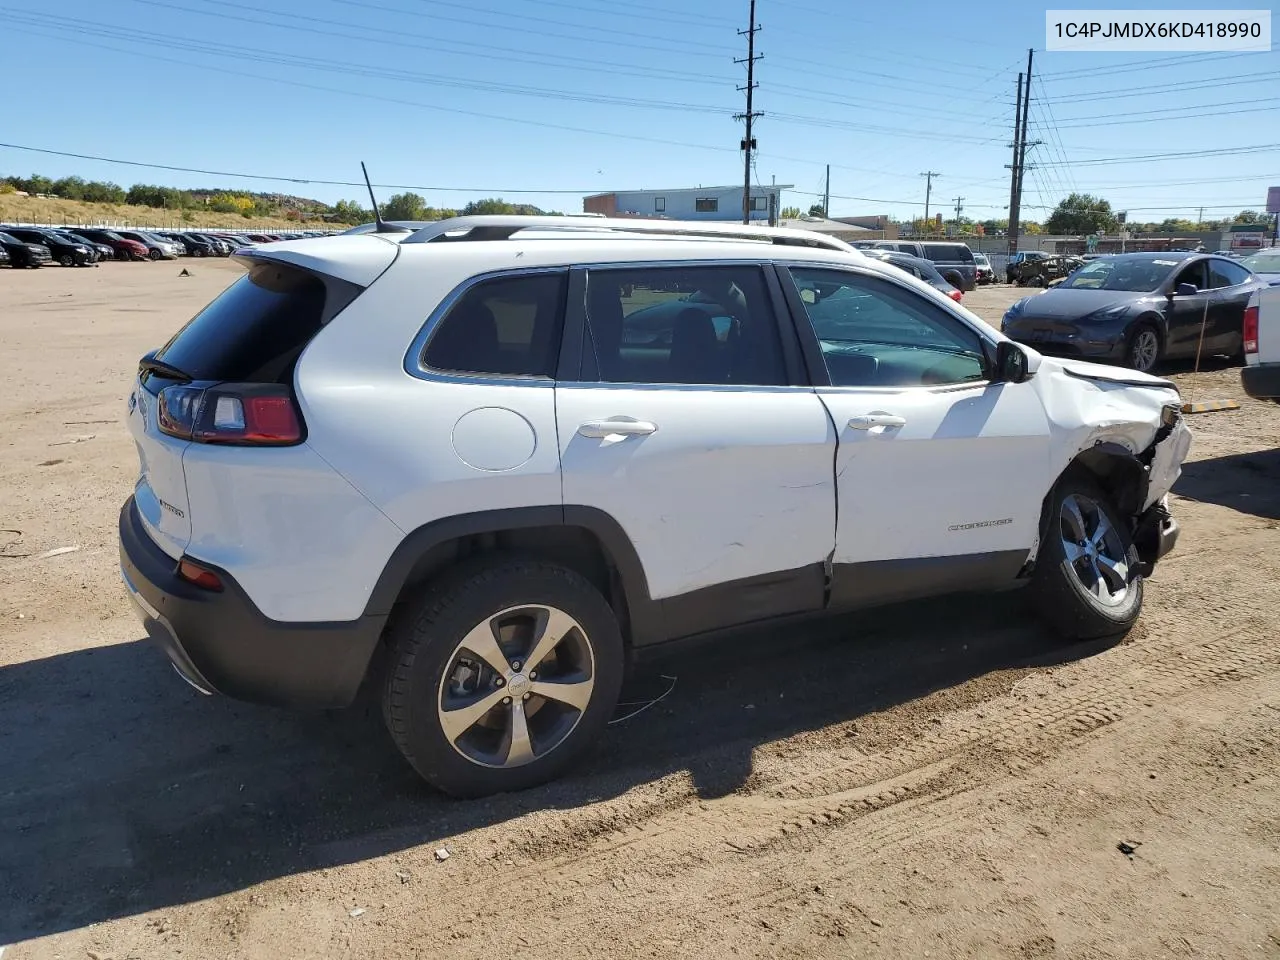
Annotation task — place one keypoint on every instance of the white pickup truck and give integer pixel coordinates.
(1261, 374)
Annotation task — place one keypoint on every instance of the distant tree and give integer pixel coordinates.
(790, 213)
(817, 210)
(1174, 225)
(405, 206)
(1032, 228)
(348, 211)
(1251, 216)
(70, 187)
(488, 206)
(98, 191)
(995, 225)
(1081, 213)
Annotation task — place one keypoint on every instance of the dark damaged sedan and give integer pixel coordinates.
(1139, 309)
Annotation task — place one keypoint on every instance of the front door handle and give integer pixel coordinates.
(601, 429)
(869, 420)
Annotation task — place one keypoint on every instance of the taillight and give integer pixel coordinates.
(956, 295)
(240, 414)
(1251, 330)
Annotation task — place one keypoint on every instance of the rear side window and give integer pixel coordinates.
(255, 330)
(948, 253)
(504, 325)
(1224, 273)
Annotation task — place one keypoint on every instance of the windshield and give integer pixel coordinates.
(1144, 275)
(8, 238)
(981, 260)
(1265, 261)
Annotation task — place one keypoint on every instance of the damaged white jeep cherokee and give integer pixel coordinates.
(480, 464)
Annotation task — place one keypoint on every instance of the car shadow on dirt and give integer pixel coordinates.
(1247, 482)
(124, 791)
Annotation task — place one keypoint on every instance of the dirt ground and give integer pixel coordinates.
(943, 780)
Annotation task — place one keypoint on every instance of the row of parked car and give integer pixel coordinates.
(87, 246)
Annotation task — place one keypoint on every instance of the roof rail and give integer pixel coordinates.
(471, 229)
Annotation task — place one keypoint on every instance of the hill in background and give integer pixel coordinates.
(40, 199)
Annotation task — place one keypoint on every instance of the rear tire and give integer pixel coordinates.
(462, 703)
(154, 254)
(1085, 582)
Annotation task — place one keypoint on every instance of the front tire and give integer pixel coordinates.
(462, 700)
(154, 254)
(1086, 582)
(1144, 350)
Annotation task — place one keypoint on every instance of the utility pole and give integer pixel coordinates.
(1200, 218)
(748, 142)
(1011, 232)
(959, 207)
(1023, 115)
(928, 189)
(826, 195)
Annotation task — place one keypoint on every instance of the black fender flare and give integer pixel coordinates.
(644, 614)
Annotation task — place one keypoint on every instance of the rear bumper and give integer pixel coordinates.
(1261, 381)
(221, 643)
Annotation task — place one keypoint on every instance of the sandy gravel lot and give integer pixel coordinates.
(937, 781)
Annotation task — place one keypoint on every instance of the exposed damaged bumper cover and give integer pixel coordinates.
(1118, 413)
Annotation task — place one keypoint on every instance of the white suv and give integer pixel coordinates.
(481, 463)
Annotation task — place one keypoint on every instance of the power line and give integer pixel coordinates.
(398, 38)
(543, 125)
(1180, 113)
(1181, 155)
(1147, 64)
(1180, 86)
(267, 56)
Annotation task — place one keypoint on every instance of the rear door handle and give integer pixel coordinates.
(869, 420)
(601, 429)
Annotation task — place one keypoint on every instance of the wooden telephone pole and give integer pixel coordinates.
(748, 141)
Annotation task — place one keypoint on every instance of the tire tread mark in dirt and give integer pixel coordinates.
(914, 777)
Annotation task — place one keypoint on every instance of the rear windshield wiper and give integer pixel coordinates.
(152, 365)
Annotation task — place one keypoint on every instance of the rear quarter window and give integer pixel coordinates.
(254, 330)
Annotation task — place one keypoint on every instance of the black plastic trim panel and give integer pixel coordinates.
(223, 643)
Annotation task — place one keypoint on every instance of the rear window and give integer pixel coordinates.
(948, 253)
(254, 331)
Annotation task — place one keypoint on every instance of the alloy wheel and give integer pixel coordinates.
(516, 686)
(1094, 548)
(1143, 350)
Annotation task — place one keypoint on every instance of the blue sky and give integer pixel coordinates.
(559, 98)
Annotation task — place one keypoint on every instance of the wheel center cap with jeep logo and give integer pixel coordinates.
(518, 684)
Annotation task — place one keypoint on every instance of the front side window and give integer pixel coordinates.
(503, 325)
(1194, 275)
(706, 204)
(874, 333)
(682, 325)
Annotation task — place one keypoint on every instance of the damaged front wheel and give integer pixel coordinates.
(1088, 579)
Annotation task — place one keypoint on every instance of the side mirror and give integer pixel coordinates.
(1186, 290)
(1011, 363)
